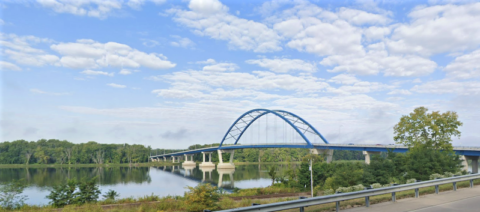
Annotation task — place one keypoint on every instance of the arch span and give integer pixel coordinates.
(247, 119)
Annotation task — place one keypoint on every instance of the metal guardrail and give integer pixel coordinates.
(359, 194)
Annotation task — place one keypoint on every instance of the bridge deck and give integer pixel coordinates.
(467, 151)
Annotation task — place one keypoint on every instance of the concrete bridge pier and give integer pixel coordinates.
(367, 156)
(205, 163)
(188, 162)
(207, 169)
(222, 165)
(474, 163)
(164, 159)
(324, 152)
(221, 172)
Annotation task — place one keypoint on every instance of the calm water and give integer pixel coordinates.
(138, 181)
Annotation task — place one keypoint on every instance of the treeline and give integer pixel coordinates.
(55, 151)
(418, 164)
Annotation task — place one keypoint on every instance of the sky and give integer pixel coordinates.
(169, 74)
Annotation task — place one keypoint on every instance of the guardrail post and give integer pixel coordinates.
(393, 197)
(455, 186)
(302, 209)
(471, 183)
(436, 189)
(417, 193)
(367, 201)
(337, 206)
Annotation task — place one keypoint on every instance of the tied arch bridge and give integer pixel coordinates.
(302, 135)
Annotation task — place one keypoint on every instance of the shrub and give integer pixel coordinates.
(74, 193)
(202, 197)
(358, 187)
(328, 191)
(448, 174)
(344, 189)
(413, 180)
(436, 176)
(376, 185)
(111, 195)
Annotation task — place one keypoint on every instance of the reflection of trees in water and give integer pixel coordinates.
(47, 177)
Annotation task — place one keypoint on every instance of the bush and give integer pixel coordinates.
(358, 187)
(202, 197)
(111, 195)
(328, 191)
(74, 193)
(413, 180)
(344, 189)
(436, 176)
(448, 174)
(376, 185)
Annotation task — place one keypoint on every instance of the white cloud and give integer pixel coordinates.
(221, 67)
(91, 72)
(438, 29)
(377, 59)
(360, 101)
(137, 4)
(150, 43)
(113, 85)
(465, 67)
(347, 79)
(359, 17)
(400, 92)
(19, 49)
(127, 72)
(92, 8)
(182, 42)
(208, 61)
(284, 65)
(9, 66)
(447, 86)
(38, 91)
(92, 54)
(211, 18)
(376, 33)
(2, 22)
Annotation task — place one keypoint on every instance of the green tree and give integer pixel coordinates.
(273, 173)
(202, 197)
(433, 129)
(62, 195)
(421, 162)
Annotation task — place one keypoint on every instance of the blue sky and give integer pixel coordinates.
(175, 73)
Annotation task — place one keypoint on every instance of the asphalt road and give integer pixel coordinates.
(465, 199)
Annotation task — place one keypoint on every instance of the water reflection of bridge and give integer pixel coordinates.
(193, 173)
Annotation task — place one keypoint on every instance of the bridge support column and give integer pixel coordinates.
(205, 163)
(164, 159)
(324, 152)
(173, 159)
(222, 165)
(188, 162)
(367, 155)
(474, 163)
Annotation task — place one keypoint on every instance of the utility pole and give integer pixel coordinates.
(311, 176)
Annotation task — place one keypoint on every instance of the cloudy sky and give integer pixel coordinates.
(174, 73)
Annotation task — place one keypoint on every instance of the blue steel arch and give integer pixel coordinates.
(279, 113)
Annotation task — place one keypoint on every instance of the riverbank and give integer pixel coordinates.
(155, 203)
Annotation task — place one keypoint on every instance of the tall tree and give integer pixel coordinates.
(432, 130)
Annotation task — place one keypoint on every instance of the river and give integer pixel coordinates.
(138, 181)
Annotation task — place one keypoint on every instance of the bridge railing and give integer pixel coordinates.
(301, 203)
